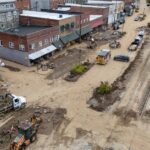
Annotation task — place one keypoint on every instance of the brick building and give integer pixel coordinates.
(39, 34)
(23, 5)
(102, 11)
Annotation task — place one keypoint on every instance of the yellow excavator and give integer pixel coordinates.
(27, 133)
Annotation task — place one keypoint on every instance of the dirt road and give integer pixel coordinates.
(73, 97)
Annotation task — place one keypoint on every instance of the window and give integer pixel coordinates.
(40, 44)
(1, 43)
(32, 46)
(62, 28)
(21, 47)
(46, 42)
(72, 25)
(11, 45)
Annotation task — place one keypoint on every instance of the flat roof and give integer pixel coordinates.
(63, 8)
(7, 1)
(45, 15)
(94, 17)
(103, 2)
(25, 30)
(79, 5)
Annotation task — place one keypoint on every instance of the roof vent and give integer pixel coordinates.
(60, 16)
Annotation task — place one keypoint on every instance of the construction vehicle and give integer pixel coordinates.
(115, 44)
(92, 43)
(27, 133)
(10, 102)
(103, 56)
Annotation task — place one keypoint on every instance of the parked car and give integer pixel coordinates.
(133, 47)
(123, 58)
(137, 40)
(122, 21)
(141, 34)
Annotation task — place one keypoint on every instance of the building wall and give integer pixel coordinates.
(8, 16)
(83, 20)
(15, 56)
(16, 40)
(38, 21)
(23, 5)
(92, 11)
(97, 22)
(54, 3)
(31, 42)
(37, 5)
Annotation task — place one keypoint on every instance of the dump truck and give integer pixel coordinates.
(10, 102)
(27, 133)
(103, 56)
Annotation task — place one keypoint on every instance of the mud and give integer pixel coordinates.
(103, 102)
(51, 120)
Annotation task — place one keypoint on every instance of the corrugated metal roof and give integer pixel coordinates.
(84, 30)
(70, 37)
(58, 44)
(42, 52)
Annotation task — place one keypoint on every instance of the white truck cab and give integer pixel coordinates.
(18, 101)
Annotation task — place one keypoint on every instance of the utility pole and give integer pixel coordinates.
(80, 20)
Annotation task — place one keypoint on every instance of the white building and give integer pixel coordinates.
(115, 7)
(9, 16)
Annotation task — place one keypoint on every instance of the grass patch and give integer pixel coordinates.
(104, 88)
(78, 69)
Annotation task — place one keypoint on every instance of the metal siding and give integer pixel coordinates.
(15, 56)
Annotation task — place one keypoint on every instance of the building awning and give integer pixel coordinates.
(84, 30)
(58, 44)
(70, 37)
(42, 52)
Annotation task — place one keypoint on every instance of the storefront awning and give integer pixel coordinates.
(42, 52)
(70, 37)
(58, 44)
(84, 30)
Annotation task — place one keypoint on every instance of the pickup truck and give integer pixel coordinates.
(12, 102)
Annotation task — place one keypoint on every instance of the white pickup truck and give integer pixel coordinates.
(12, 102)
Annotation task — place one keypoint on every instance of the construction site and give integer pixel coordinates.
(86, 97)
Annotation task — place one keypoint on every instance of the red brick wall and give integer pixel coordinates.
(6, 38)
(23, 4)
(92, 11)
(29, 39)
(83, 17)
(54, 3)
(37, 21)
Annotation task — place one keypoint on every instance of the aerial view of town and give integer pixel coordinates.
(74, 74)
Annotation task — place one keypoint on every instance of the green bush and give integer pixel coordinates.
(104, 88)
(78, 69)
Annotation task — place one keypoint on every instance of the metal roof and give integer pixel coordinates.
(70, 37)
(42, 52)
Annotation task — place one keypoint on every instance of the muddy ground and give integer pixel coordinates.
(73, 96)
(51, 121)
